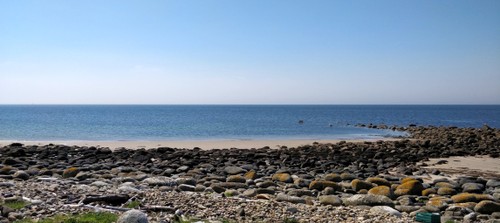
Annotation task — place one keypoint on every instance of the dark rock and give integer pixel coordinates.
(487, 207)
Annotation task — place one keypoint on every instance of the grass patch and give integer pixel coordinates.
(290, 220)
(16, 204)
(133, 204)
(91, 217)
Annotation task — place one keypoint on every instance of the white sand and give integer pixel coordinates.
(189, 144)
(467, 165)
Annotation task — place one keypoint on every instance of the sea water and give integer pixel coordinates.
(222, 122)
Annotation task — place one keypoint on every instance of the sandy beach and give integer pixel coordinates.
(189, 144)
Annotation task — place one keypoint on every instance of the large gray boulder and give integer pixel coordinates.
(291, 199)
(133, 216)
(368, 199)
(385, 210)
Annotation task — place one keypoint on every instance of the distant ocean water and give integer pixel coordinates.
(220, 122)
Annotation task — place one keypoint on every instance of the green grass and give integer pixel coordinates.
(133, 204)
(290, 220)
(16, 204)
(91, 217)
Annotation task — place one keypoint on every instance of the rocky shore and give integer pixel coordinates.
(342, 182)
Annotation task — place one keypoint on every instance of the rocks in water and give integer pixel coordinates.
(368, 200)
(133, 216)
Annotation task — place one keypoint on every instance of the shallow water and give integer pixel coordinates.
(183, 122)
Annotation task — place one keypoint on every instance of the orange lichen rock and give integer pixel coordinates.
(283, 177)
(358, 185)
(251, 175)
(468, 197)
(410, 187)
(446, 191)
(70, 172)
(382, 190)
(378, 181)
(429, 191)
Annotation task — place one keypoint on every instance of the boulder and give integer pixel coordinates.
(133, 216)
(250, 175)
(358, 185)
(367, 199)
(330, 200)
(236, 178)
(186, 180)
(446, 191)
(322, 184)
(429, 191)
(493, 183)
(487, 207)
(160, 181)
(347, 176)
(469, 197)
(70, 172)
(382, 190)
(444, 184)
(472, 188)
(385, 210)
(283, 177)
(439, 203)
(335, 177)
(409, 187)
(21, 175)
(378, 181)
(233, 170)
(291, 199)
(186, 187)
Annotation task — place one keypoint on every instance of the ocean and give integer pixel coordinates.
(228, 122)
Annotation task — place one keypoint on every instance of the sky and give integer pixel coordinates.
(249, 52)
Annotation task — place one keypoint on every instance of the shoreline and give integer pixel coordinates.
(205, 144)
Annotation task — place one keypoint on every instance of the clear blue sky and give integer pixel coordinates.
(249, 52)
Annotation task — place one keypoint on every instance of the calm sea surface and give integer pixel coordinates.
(245, 122)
